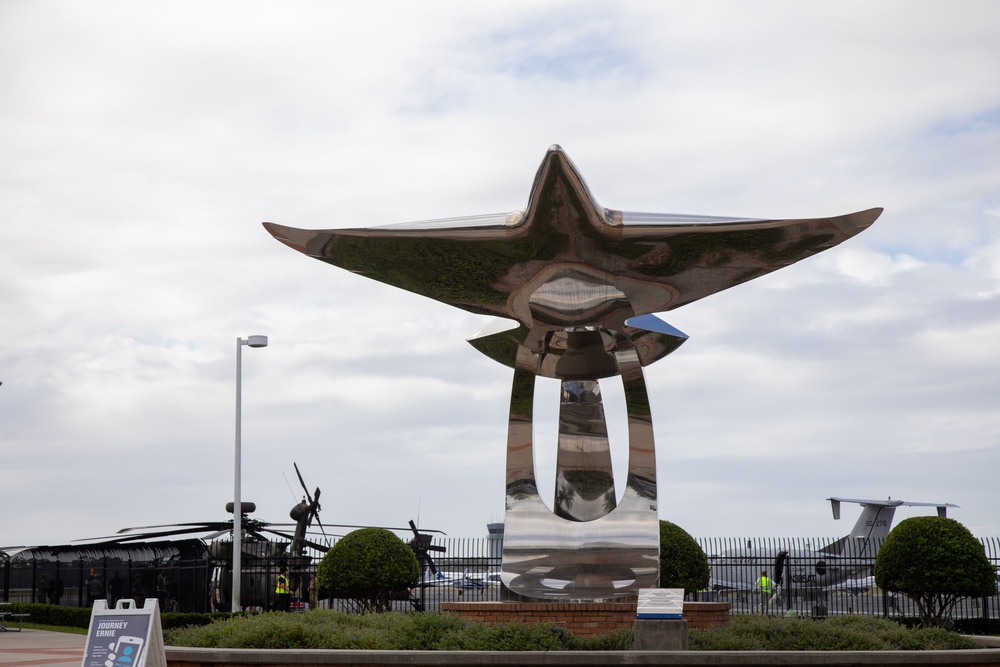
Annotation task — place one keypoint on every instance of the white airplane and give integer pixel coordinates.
(841, 564)
(465, 580)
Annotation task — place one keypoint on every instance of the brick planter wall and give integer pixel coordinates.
(585, 619)
(702, 615)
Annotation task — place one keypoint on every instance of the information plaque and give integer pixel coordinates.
(660, 603)
(125, 636)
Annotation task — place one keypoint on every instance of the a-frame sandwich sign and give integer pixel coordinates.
(125, 636)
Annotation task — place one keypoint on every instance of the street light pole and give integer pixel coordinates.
(252, 341)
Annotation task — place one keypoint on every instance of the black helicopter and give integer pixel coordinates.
(262, 555)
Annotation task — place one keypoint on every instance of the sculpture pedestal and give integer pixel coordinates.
(661, 634)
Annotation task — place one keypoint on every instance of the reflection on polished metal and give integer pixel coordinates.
(576, 284)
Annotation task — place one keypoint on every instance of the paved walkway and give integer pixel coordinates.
(31, 648)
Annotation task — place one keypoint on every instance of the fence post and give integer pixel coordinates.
(79, 583)
(6, 578)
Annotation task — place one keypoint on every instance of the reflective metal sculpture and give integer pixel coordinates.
(576, 285)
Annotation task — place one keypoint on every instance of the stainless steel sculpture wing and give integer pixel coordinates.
(576, 285)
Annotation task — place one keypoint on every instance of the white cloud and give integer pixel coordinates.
(872, 267)
(145, 143)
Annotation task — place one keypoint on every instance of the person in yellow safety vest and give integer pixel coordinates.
(764, 585)
(282, 593)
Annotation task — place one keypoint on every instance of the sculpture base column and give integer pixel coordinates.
(609, 557)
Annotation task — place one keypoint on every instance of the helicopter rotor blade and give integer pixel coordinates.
(315, 501)
(148, 536)
(421, 545)
(320, 524)
(310, 543)
(314, 509)
(349, 525)
(208, 524)
(302, 482)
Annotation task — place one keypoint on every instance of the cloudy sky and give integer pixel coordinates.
(142, 144)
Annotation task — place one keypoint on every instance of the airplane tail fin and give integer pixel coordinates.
(873, 524)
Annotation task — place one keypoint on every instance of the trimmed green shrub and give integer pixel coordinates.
(422, 632)
(389, 631)
(977, 626)
(935, 561)
(622, 639)
(173, 619)
(683, 564)
(370, 566)
(51, 614)
(428, 631)
(79, 617)
(838, 633)
(508, 637)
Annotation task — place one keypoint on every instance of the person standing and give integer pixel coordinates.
(55, 590)
(892, 602)
(95, 589)
(764, 586)
(116, 587)
(42, 589)
(163, 590)
(282, 593)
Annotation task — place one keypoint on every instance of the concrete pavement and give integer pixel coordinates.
(41, 648)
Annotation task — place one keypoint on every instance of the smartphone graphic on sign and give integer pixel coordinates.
(127, 651)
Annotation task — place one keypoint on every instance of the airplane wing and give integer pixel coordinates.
(942, 508)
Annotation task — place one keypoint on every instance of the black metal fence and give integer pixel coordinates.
(809, 583)
(197, 580)
(178, 583)
(800, 579)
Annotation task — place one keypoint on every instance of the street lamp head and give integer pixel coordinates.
(257, 341)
